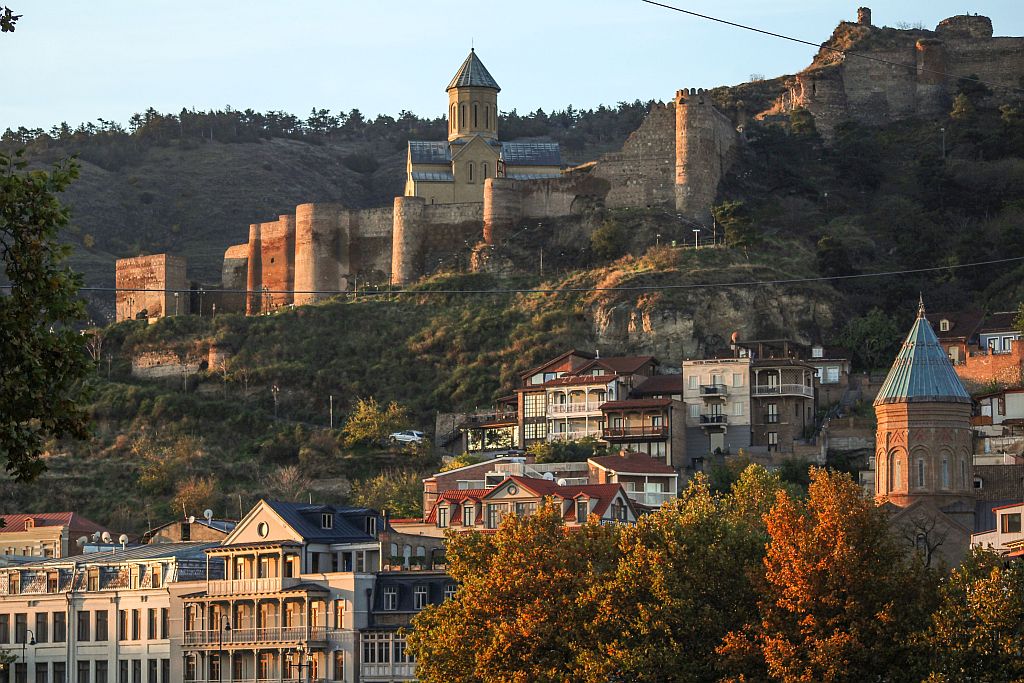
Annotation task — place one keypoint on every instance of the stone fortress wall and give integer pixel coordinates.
(676, 159)
(162, 272)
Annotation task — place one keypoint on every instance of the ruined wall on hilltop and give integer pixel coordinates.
(277, 255)
(706, 147)
(910, 73)
(234, 274)
(643, 172)
(155, 272)
(507, 202)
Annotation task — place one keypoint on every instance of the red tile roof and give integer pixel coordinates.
(632, 463)
(1000, 322)
(12, 523)
(619, 364)
(962, 324)
(660, 384)
(556, 359)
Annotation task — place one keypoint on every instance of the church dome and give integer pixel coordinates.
(922, 370)
(473, 74)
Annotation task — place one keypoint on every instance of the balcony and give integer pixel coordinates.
(574, 435)
(251, 636)
(714, 390)
(771, 419)
(248, 586)
(398, 671)
(652, 499)
(783, 390)
(715, 419)
(485, 417)
(636, 433)
(579, 408)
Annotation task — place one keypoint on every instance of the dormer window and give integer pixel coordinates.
(442, 516)
(29, 523)
(327, 521)
(582, 510)
(371, 526)
(817, 352)
(943, 325)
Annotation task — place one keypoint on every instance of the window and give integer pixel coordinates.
(943, 325)
(151, 624)
(462, 117)
(963, 473)
(371, 526)
(450, 590)
(83, 625)
(94, 578)
(402, 655)
(945, 473)
(475, 117)
(536, 430)
(773, 414)
(390, 598)
(5, 628)
(41, 622)
(326, 521)
(419, 596)
(525, 509)
(737, 408)
(533, 405)
(619, 510)
(487, 117)
(101, 625)
(21, 627)
(136, 624)
(122, 671)
(339, 613)
(493, 515)
(13, 581)
(817, 352)
(42, 672)
(773, 440)
(339, 665)
(151, 666)
(582, 511)
(376, 648)
(442, 516)
(52, 582)
(920, 473)
(896, 476)
(59, 628)
(164, 623)
(978, 483)
(657, 420)
(156, 575)
(60, 672)
(1010, 523)
(737, 379)
(831, 375)
(658, 449)
(122, 624)
(165, 671)
(693, 381)
(469, 165)
(468, 515)
(694, 410)
(484, 173)
(83, 672)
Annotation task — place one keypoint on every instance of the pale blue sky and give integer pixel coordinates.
(77, 61)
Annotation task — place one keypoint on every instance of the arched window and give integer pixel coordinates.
(487, 117)
(470, 165)
(920, 473)
(896, 475)
(462, 119)
(945, 473)
(963, 474)
(475, 123)
(483, 171)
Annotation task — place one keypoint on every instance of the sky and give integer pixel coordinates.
(73, 61)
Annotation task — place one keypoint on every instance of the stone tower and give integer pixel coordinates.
(923, 443)
(705, 149)
(473, 101)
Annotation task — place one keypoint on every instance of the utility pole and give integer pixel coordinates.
(275, 390)
(331, 397)
(215, 312)
(200, 302)
(542, 262)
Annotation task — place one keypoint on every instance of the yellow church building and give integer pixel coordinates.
(454, 171)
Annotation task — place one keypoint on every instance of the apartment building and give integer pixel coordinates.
(716, 394)
(44, 534)
(652, 426)
(104, 617)
(781, 402)
(293, 598)
(1008, 535)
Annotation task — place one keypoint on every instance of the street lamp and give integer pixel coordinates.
(299, 652)
(696, 234)
(32, 641)
(176, 304)
(225, 625)
(657, 240)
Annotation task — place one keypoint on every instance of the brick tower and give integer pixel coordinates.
(923, 442)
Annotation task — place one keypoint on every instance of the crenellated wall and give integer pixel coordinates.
(508, 201)
(643, 172)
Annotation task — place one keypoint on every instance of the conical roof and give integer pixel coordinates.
(473, 74)
(922, 371)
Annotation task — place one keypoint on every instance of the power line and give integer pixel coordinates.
(844, 53)
(572, 290)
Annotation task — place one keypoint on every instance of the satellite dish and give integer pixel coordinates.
(122, 539)
(95, 536)
(105, 537)
(549, 476)
(562, 482)
(82, 540)
(191, 519)
(208, 513)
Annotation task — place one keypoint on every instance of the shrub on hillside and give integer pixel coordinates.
(370, 423)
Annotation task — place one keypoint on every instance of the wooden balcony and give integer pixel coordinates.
(250, 586)
(783, 390)
(255, 636)
(579, 408)
(636, 433)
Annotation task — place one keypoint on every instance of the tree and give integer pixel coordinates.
(370, 423)
(609, 241)
(195, 494)
(516, 616)
(873, 338)
(45, 365)
(841, 600)
(740, 232)
(963, 109)
(400, 492)
(8, 19)
(288, 483)
(978, 627)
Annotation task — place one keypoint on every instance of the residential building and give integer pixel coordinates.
(292, 600)
(484, 509)
(454, 171)
(831, 373)
(45, 534)
(397, 598)
(999, 424)
(1007, 536)
(716, 394)
(781, 402)
(997, 332)
(531, 396)
(957, 332)
(660, 386)
(652, 426)
(647, 482)
(100, 617)
(191, 529)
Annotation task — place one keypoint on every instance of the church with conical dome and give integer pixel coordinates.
(924, 447)
(453, 171)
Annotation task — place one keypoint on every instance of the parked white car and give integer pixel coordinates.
(406, 436)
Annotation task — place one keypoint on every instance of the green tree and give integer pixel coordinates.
(44, 360)
(963, 109)
(740, 232)
(978, 627)
(833, 257)
(370, 423)
(609, 241)
(874, 339)
(579, 450)
(400, 492)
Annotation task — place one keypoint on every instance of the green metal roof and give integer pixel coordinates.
(922, 371)
(473, 74)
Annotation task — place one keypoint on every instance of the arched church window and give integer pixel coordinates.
(963, 473)
(475, 124)
(920, 472)
(896, 475)
(483, 171)
(462, 120)
(487, 117)
(470, 165)
(945, 473)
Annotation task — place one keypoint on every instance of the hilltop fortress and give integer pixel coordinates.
(475, 190)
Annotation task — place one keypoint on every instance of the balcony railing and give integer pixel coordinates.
(486, 416)
(574, 435)
(783, 390)
(401, 671)
(248, 636)
(576, 408)
(714, 419)
(636, 432)
(651, 498)
(771, 419)
(227, 679)
(713, 390)
(265, 585)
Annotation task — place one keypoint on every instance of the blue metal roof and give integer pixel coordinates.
(473, 74)
(922, 371)
(433, 176)
(531, 154)
(346, 525)
(532, 176)
(424, 152)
